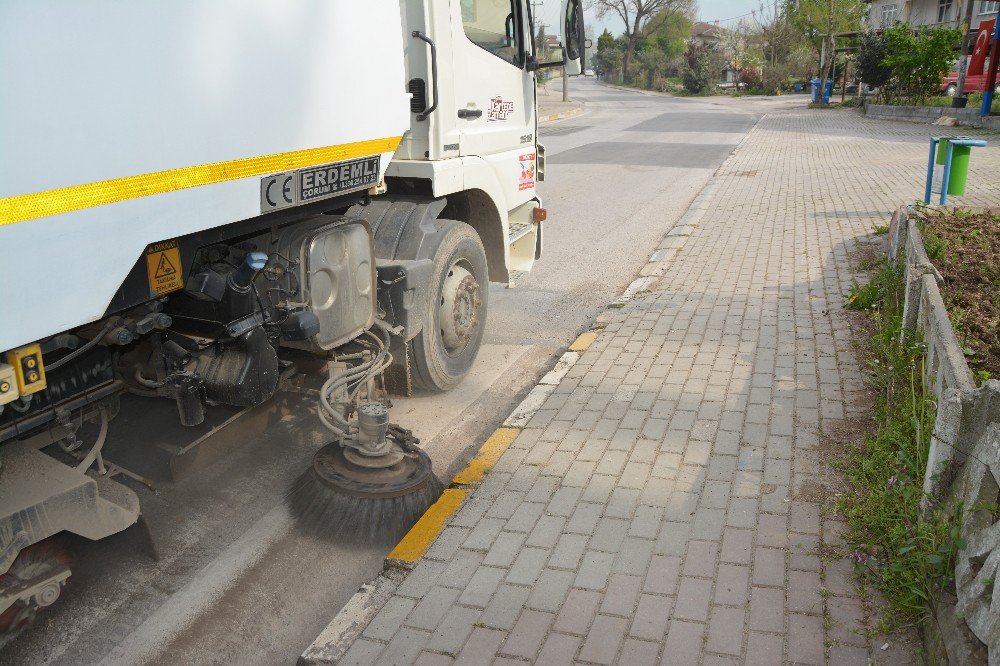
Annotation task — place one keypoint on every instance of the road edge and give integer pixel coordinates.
(562, 115)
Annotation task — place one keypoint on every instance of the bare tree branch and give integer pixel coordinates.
(635, 14)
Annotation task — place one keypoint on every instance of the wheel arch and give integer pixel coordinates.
(474, 196)
(477, 209)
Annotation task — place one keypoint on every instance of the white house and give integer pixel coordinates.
(884, 13)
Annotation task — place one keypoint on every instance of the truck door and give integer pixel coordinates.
(494, 93)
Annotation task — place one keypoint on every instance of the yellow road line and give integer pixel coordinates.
(63, 200)
(489, 454)
(583, 341)
(416, 542)
(420, 537)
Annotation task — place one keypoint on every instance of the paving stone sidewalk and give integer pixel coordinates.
(551, 105)
(667, 502)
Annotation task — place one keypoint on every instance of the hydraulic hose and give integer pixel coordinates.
(76, 353)
(353, 380)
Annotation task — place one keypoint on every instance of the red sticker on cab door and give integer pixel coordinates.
(527, 180)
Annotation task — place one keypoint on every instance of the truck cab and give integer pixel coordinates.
(474, 128)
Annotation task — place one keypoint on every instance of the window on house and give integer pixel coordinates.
(890, 14)
(492, 25)
(944, 11)
(989, 7)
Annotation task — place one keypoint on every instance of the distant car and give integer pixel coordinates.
(973, 83)
(588, 72)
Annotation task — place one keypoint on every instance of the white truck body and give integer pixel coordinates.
(197, 101)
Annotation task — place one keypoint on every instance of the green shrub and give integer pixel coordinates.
(918, 60)
(703, 67)
(872, 51)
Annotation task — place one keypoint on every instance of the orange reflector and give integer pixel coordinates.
(539, 215)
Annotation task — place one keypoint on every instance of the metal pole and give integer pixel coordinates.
(565, 86)
(843, 86)
(947, 173)
(963, 64)
(930, 171)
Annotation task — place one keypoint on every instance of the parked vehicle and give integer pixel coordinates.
(214, 202)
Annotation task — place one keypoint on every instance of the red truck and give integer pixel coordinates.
(979, 63)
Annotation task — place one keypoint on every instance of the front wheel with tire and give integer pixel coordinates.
(951, 90)
(455, 319)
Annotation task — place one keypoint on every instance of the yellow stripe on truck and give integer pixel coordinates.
(63, 200)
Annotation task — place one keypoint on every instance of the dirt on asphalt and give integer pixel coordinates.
(965, 247)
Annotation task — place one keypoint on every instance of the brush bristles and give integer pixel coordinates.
(325, 513)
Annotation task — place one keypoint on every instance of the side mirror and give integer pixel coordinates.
(575, 54)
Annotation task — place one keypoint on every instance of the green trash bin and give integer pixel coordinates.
(959, 165)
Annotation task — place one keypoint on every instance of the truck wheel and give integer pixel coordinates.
(951, 90)
(443, 352)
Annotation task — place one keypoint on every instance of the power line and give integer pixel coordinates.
(734, 18)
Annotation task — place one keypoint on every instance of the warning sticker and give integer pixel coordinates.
(527, 180)
(163, 265)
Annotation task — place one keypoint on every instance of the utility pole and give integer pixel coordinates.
(774, 35)
(565, 85)
(958, 102)
(534, 17)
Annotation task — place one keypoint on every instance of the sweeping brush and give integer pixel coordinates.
(338, 499)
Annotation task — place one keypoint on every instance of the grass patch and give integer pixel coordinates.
(846, 104)
(975, 100)
(904, 542)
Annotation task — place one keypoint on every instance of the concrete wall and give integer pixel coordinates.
(963, 466)
(968, 117)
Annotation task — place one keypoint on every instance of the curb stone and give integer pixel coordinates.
(346, 627)
(561, 115)
(334, 641)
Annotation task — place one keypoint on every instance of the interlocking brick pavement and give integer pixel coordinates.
(664, 504)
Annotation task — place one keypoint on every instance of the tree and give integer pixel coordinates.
(704, 64)
(777, 41)
(605, 41)
(918, 59)
(669, 32)
(737, 50)
(821, 20)
(870, 59)
(609, 56)
(541, 41)
(664, 41)
(636, 14)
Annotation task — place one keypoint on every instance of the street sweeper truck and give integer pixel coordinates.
(225, 203)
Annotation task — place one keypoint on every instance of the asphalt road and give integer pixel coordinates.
(235, 582)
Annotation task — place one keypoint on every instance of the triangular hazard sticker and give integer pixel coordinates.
(164, 268)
